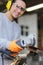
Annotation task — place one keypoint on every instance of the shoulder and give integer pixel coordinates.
(1, 15)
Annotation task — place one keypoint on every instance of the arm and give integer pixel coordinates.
(3, 43)
(11, 46)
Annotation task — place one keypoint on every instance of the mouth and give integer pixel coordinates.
(17, 15)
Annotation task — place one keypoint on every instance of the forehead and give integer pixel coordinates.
(21, 3)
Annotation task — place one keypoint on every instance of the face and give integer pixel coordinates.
(18, 8)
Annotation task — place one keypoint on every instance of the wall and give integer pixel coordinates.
(31, 22)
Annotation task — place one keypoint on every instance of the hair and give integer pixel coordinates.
(13, 1)
(21, 0)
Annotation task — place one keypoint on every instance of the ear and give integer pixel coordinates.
(8, 5)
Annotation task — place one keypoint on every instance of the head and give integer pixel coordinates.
(17, 8)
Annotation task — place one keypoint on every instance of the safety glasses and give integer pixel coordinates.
(22, 9)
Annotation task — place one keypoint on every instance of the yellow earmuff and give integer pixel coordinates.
(8, 5)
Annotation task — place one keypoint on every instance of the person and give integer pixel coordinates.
(9, 29)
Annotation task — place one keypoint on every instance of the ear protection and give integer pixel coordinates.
(8, 5)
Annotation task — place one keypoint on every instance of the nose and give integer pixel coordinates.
(19, 10)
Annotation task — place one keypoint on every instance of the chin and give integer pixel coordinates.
(15, 17)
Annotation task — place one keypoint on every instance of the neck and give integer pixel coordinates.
(8, 14)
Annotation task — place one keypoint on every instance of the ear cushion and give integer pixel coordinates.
(8, 5)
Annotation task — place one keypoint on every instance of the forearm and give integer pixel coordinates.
(4, 43)
(10, 45)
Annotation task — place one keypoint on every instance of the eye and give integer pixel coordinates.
(23, 9)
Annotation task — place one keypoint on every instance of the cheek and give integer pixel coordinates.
(13, 11)
(21, 13)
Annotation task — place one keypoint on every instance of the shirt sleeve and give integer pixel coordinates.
(4, 43)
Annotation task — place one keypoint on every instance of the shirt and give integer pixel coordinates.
(9, 31)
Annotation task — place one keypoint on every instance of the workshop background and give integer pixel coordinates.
(31, 23)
